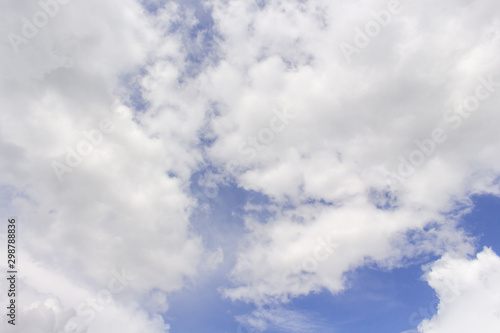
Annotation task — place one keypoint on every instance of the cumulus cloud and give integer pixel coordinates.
(372, 148)
(95, 188)
(468, 292)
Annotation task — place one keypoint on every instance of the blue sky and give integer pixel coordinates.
(252, 166)
(378, 299)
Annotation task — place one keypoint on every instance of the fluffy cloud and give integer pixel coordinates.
(95, 186)
(469, 294)
(339, 165)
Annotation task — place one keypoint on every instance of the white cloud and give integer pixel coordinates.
(469, 294)
(326, 172)
(278, 319)
(118, 207)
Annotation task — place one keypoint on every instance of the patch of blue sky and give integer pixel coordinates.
(383, 200)
(152, 6)
(219, 219)
(202, 309)
(375, 300)
(132, 95)
(202, 51)
(219, 216)
(199, 39)
(398, 300)
(483, 222)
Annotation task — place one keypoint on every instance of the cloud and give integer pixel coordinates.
(326, 174)
(122, 198)
(468, 292)
(278, 319)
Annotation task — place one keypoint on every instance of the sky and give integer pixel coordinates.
(251, 166)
